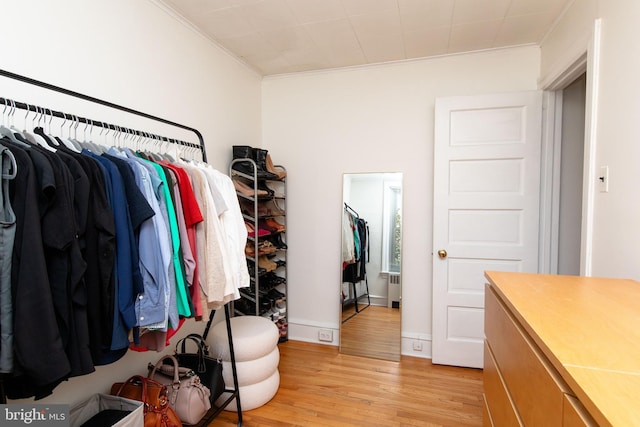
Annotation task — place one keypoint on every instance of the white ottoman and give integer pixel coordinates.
(255, 344)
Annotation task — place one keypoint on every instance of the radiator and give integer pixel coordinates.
(394, 290)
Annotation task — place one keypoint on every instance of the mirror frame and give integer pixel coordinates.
(347, 199)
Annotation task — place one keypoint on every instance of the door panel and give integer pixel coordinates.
(486, 210)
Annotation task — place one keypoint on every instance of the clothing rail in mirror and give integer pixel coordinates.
(370, 292)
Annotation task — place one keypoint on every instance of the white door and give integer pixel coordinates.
(486, 210)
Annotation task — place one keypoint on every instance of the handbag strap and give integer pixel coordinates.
(203, 349)
(202, 345)
(134, 380)
(176, 373)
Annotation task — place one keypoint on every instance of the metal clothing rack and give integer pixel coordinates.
(234, 392)
(356, 297)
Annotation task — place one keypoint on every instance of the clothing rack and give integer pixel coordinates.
(356, 297)
(349, 208)
(234, 392)
(34, 82)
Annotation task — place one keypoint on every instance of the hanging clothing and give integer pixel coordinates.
(109, 244)
(348, 242)
(7, 238)
(39, 364)
(355, 243)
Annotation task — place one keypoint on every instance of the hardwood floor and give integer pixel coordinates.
(321, 387)
(373, 332)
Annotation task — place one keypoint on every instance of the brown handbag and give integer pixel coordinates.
(157, 412)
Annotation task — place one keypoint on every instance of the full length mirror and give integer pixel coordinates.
(371, 288)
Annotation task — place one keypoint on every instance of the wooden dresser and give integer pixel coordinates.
(561, 351)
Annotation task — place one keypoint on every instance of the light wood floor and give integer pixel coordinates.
(373, 332)
(321, 387)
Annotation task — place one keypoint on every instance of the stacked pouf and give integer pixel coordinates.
(255, 344)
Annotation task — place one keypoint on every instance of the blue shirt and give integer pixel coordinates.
(126, 285)
(158, 188)
(154, 247)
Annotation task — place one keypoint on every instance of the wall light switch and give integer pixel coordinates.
(603, 179)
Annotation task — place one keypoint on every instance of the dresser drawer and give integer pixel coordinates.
(574, 414)
(498, 403)
(532, 383)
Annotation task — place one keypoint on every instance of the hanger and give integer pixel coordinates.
(34, 138)
(45, 130)
(48, 128)
(11, 131)
(349, 208)
(5, 131)
(64, 141)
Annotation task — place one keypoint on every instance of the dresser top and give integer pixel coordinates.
(589, 329)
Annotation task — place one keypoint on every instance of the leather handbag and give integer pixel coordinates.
(207, 368)
(186, 394)
(153, 395)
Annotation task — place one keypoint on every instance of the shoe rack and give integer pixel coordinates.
(261, 188)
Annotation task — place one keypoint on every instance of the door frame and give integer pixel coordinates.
(585, 58)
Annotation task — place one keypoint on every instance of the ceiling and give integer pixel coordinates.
(285, 36)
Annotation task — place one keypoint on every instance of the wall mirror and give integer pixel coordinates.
(371, 288)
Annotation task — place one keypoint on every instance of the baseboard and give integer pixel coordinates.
(311, 333)
(416, 346)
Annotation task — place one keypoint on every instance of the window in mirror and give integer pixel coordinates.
(392, 225)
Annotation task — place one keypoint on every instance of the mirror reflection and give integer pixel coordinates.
(370, 293)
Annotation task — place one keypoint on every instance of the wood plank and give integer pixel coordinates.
(321, 387)
(374, 332)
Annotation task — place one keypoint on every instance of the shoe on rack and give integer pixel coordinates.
(276, 295)
(276, 240)
(273, 279)
(272, 192)
(251, 266)
(252, 231)
(280, 172)
(263, 186)
(247, 209)
(283, 327)
(260, 158)
(279, 262)
(275, 209)
(247, 191)
(243, 306)
(244, 162)
(266, 247)
(272, 314)
(273, 224)
(250, 249)
(265, 263)
(264, 224)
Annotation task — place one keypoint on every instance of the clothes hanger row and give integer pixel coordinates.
(349, 208)
(40, 132)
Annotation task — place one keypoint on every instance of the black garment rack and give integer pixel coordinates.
(354, 300)
(234, 392)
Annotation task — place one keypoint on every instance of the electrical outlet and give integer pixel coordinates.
(325, 335)
(417, 345)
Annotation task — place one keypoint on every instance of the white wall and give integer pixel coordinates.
(133, 53)
(616, 234)
(371, 119)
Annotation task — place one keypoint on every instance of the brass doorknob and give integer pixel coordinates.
(442, 254)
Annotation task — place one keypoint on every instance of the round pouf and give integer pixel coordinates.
(255, 345)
